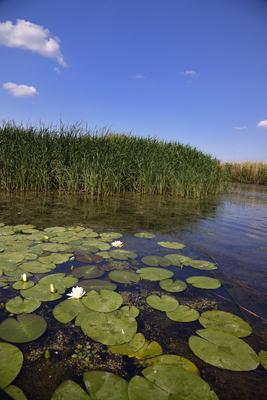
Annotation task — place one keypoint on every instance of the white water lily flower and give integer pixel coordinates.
(117, 243)
(24, 277)
(76, 292)
(52, 288)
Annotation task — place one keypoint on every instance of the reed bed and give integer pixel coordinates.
(246, 172)
(75, 159)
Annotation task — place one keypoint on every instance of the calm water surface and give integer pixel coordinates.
(230, 230)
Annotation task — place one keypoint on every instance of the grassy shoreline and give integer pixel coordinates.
(78, 160)
(246, 172)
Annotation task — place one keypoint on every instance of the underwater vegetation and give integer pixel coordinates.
(102, 163)
(246, 172)
(74, 277)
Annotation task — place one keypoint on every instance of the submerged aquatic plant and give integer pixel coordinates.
(76, 292)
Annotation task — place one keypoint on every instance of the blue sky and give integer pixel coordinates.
(187, 70)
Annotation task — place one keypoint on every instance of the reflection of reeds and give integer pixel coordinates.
(70, 159)
(246, 172)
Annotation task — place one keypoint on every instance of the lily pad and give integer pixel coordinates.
(17, 305)
(70, 390)
(183, 314)
(25, 328)
(141, 389)
(60, 281)
(162, 303)
(204, 282)
(263, 358)
(109, 328)
(36, 267)
(154, 274)
(155, 261)
(172, 359)
(41, 293)
(172, 245)
(11, 360)
(179, 383)
(177, 259)
(144, 235)
(200, 264)
(97, 284)
(103, 301)
(122, 254)
(68, 309)
(15, 393)
(55, 247)
(130, 311)
(55, 258)
(223, 350)
(88, 272)
(148, 350)
(21, 285)
(124, 276)
(109, 236)
(105, 385)
(133, 346)
(225, 322)
(173, 286)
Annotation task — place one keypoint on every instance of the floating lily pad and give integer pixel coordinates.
(154, 274)
(200, 264)
(97, 284)
(179, 383)
(225, 322)
(141, 389)
(148, 350)
(109, 328)
(133, 346)
(105, 385)
(223, 350)
(130, 311)
(70, 390)
(55, 229)
(144, 235)
(263, 358)
(204, 282)
(162, 303)
(99, 244)
(172, 245)
(25, 328)
(41, 293)
(88, 272)
(124, 276)
(177, 259)
(108, 236)
(55, 258)
(36, 267)
(11, 360)
(155, 261)
(183, 314)
(55, 247)
(21, 285)
(173, 286)
(172, 359)
(15, 393)
(17, 305)
(60, 281)
(68, 309)
(118, 265)
(102, 301)
(122, 254)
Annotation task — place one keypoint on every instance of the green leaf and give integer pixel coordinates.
(204, 282)
(26, 328)
(172, 359)
(41, 293)
(17, 305)
(122, 254)
(15, 392)
(173, 286)
(102, 301)
(11, 360)
(162, 303)
(225, 322)
(141, 389)
(155, 261)
(263, 358)
(68, 309)
(154, 274)
(223, 350)
(135, 344)
(70, 390)
(105, 385)
(172, 245)
(183, 314)
(20, 285)
(124, 276)
(148, 350)
(97, 284)
(144, 235)
(88, 272)
(200, 264)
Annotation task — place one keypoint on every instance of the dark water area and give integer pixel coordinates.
(230, 230)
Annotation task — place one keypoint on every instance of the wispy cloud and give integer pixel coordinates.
(26, 35)
(262, 124)
(20, 90)
(240, 128)
(139, 76)
(190, 73)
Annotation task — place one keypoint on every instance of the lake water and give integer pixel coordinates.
(229, 230)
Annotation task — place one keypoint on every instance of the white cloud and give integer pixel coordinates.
(240, 128)
(26, 35)
(189, 72)
(139, 76)
(20, 90)
(262, 124)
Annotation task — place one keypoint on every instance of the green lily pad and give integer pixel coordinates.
(200, 264)
(263, 358)
(172, 359)
(155, 261)
(162, 303)
(204, 282)
(133, 346)
(130, 311)
(55, 247)
(70, 390)
(172, 245)
(122, 255)
(108, 236)
(68, 309)
(60, 281)
(179, 383)
(148, 350)
(55, 229)
(103, 301)
(173, 286)
(105, 385)
(144, 235)
(11, 360)
(109, 328)
(21, 285)
(55, 258)
(225, 322)
(178, 260)
(99, 244)
(118, 265)
(141, 389)
(223, 350)
(41, 293)
(15, 393)
(36, 267)
(97, 284)
(154, 274)
(124, 276)
(26, 328)
(183, 314)
(87, 272)
(17, 305)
